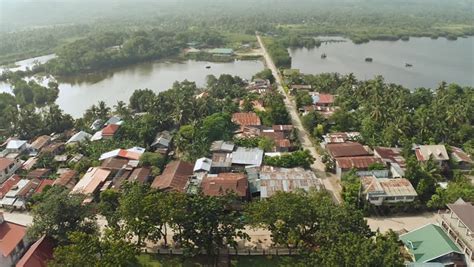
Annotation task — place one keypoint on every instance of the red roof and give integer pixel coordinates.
(38, 173)
(8, 185)
(348, 149)
(273, 135)
(66, 179)
(11, 234)
(391, 154)
(4, 163)
(110, 129)
(246, 119)
(174, 177)
(283, 143)
(43, 184)
(282, 128)
(140, 175)
(225, 182)
(29, 188)
(326, 99)
(38, 254)
(357, 162)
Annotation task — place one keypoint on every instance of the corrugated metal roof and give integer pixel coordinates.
(202, 164)
(274, 179)
(247, 156)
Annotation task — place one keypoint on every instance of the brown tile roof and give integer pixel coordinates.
(282, 128)
(11, 234)
(460, 156)
(140, 175)
(67, 179)
(53, 148)
(40, 142)
(273, 135)
(30, 188)
(174, 177)
(346, 150)
(110, 130)
(8, 185)
(38, 173)
(38, 254)
(246, 119)
(325, 99)
(225, 182)
(4, 163)
(283, 143)
(357, 162)
(43, 184)
(114, 163)
(465, 213)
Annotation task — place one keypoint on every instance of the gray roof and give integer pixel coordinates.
(114, 120)
(79, 137)
(222, 146)
(274, 179)
(247, 156)
(202, 164)
(15, 144)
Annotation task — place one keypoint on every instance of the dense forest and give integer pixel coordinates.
(359, 20)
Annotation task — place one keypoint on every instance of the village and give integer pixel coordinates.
(256, 163)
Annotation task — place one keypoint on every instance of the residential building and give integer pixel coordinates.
(222, 51)
(462, 159)
(115, 164)
(430, 244)
(16, 146)
(114, 120)
(90, 183)
(223, 183)
(29, 163)
(300, 87)
(140, 175)
(361, 163)
(11, 196)
(348, 149)
(458, 223)
(202, 165)
(38, 254)
(8, 167)
(8, 185)
(246, 119)
(162, 142)
(273, 179)
(13, 242)
(379, 191)
(54, 149)
(392, 157)
(285, 129)
(174, 177)
(339, 137)
(79, 137)
(256, 105)
(281, 144)
(39, 143)
(38, 173)
(109, 131)
(97, 124)
(247, 156)
(68, 179)
(34, 186)
(133, 153)
(222, 147)
(221, 162)
(322, 100)
(437, 153)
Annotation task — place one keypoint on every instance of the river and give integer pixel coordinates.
(79, 93)
(433, 60)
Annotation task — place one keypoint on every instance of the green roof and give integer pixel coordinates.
(428, 243)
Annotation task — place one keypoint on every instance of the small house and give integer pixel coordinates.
(247, 156)
(202, 165)
(8, 167)
(39, 143)
(462, 159)
(378, 191)
(90, 183)
(437, 153)
(38, 254)
(16, 146)
(79, 137)
(13, 242)
(361, 163)
(222, 147)
(224, 183)
(174, 177)
(109, 131)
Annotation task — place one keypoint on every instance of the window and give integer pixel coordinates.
(389, 198)
(374, 198)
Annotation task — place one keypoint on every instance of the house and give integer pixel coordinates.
(29, 163)
(224, 183)
(96, 125)
(16, 146)
(174, 177)
(246, 119)
(8, 185)
(392, 157)
(68, 179)
(300, 87)
(38, 174)
(39, 143)
(281, 144)
(322, 100)
(256, 105)
(11, 196)
(247, 156)
(285, 129)
(221, 162)
(34, 186)
(339, 137)
(115, 164)
(114, 120)
(259, 86)
(362, 163)
(89, 184)
(54, 149)
(97, 136)
(140, 175)
(273, 179)
(222, 147)
(8, 167)
(38, 254)
(202, 165)
(162, 142)
(13, 241)
(437, 153)
(79, 137)
(458, 223)
(429, 244)
(109, 131)
(248, 132)
(378, 191)
(133, 153)
(348, 149)
(463, 160)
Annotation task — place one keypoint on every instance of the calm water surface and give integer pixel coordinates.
(433, 60)
(79, 93)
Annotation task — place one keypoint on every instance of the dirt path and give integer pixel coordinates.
(329, 180)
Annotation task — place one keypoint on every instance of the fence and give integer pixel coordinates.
(231, 251)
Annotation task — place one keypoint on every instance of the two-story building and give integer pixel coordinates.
(379, 191)
(13, 242)
(8, 167)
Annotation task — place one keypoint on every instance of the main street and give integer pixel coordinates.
(329, 180)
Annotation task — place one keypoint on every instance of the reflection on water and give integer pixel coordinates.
(433, 60)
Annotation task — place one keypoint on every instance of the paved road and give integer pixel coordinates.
(329, 180)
